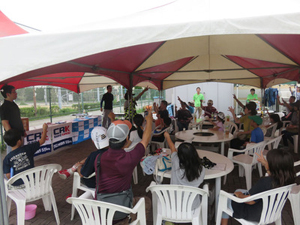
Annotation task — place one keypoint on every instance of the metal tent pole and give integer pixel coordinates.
(49, 90)
(3, 206)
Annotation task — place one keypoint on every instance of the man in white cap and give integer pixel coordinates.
(117, 165)
(86, 166)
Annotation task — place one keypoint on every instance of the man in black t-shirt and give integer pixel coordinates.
(184, 117)
(108, 105)
(10, 112)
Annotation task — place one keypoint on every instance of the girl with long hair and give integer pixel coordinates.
(280, 168)
(135, 136)
(187, 168)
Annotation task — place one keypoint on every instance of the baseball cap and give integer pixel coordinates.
(99, 137)
(221, 115)
(256, 119)
(119, 130)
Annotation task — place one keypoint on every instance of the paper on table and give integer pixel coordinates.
(219, 166)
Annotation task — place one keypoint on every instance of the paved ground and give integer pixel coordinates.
(62, 188)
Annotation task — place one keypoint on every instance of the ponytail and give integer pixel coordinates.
(138, 119)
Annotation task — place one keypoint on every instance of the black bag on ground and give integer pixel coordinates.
(123, 198)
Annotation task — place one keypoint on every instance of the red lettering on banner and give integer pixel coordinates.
(67, 129)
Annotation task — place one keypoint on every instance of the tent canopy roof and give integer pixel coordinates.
(186, 41)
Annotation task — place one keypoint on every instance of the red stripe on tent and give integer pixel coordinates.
(268, 71)
(9, 28)
(288, 44)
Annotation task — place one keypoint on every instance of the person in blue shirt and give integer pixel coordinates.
(257, 134)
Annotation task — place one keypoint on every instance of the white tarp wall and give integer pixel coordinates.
(220, 93)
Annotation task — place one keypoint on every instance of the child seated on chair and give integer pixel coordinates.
(166, 123)
(219, 125)
(85, 167)
(280, 168)
(21, 156)
(187, 166)
(257, 134)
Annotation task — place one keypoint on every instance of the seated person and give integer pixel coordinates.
(257, 134)
(183, 116)
(280, 167)
(209, 110)
(289, 107)
(189, 106)
(219, 125)
(182, 171)
(85, 167)
(243, 136)
(166, 123)
(161, 112)
(274, 118)
(135, 136)
(116, 165)
(291, 129)
(21, 156)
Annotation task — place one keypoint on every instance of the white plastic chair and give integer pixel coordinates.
(231, 126)
(294, 198)
(247, 160)
(37, 185)
(272, 128)
(93, 212)
(197, 126)
(89, 193)
(174, 203)
(272, 143)
(284, 125)
(273, 203)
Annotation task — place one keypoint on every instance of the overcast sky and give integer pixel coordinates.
(56, 14)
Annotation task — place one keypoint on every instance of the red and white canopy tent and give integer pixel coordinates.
(186, 41)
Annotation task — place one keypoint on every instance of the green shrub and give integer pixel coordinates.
(42, 111)
(27, 111)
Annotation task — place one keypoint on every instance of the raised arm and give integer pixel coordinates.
(238, 101)
(170, 142)
(148, 130)
(278, 99)
(233, 115)
(111, 116)
(140, 94)
(44, 134)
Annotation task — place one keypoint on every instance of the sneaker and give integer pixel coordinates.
(64, 174)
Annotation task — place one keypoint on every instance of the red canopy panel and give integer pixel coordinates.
(158, 73)
(9, 28)
(116, 64)
(289, 45)
(268, 71)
